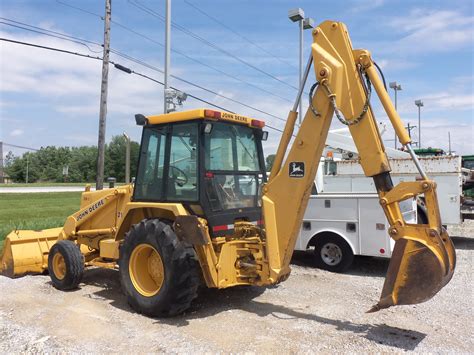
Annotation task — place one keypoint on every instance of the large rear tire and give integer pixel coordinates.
(65, 265)
(159, 274)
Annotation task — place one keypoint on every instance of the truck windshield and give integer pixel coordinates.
(232, 167)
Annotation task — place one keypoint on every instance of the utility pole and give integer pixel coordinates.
(409, 128)
(167, 55)
(127, 158)
(103, 98)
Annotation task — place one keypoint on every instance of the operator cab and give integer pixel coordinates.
(209, 161)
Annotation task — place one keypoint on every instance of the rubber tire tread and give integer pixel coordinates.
(181, 268)
(74, 261)
(347, 254)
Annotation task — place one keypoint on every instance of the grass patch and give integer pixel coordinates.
(47, 184)
(35, 210)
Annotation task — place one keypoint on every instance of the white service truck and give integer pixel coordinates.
(337, 226)
(346, 176)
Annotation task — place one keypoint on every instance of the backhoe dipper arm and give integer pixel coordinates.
(423, 260)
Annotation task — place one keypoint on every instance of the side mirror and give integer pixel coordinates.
(140, 119)
(207, 128)
(264, 135)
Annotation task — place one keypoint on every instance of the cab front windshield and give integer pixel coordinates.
(232, 168)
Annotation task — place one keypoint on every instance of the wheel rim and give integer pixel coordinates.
(59, 266)
(146, 270)
(331, 254)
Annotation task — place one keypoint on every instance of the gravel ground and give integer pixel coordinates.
(313, 311)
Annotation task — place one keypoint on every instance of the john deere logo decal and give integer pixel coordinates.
(296, 169)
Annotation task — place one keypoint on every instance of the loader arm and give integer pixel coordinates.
(423, 260)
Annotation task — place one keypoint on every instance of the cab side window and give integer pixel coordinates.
(149, 184)
(182, 174)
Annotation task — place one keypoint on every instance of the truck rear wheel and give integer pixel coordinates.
(65, 265)
(159, 274)
(332, 253)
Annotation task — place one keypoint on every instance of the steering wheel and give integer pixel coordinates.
(180, 180)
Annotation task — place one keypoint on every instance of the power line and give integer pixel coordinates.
(120, 67)
(138, 61)
(238, 34)
(20, 146)
(79, 9)
(126, 28)
(128, 57)
(50, 33)
(49, 48)
(208, 43)
(190, 95)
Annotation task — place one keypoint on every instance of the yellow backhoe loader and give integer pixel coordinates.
(202, 211)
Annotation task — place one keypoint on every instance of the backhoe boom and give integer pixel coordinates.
(423, 260)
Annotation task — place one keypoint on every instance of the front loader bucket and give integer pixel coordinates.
(26, 251)
(417, 270)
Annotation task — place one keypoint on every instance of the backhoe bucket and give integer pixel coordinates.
(417, 270)
(26, 251)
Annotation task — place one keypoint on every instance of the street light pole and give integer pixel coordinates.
(396, 87)
(167, 55)
(297, 15)
(419, 103)
(300, 82)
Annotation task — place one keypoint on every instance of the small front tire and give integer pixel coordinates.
(65, 265)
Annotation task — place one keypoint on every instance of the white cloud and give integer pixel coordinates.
(16, 132)
(426, 30)
(434, 133)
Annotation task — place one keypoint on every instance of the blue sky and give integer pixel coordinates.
(48, 98)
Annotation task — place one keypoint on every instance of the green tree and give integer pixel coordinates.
(82, 164)
(115, 158)
(47, 164)
(269, 160)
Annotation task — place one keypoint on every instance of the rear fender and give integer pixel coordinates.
(135, 212)
(312, 241)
